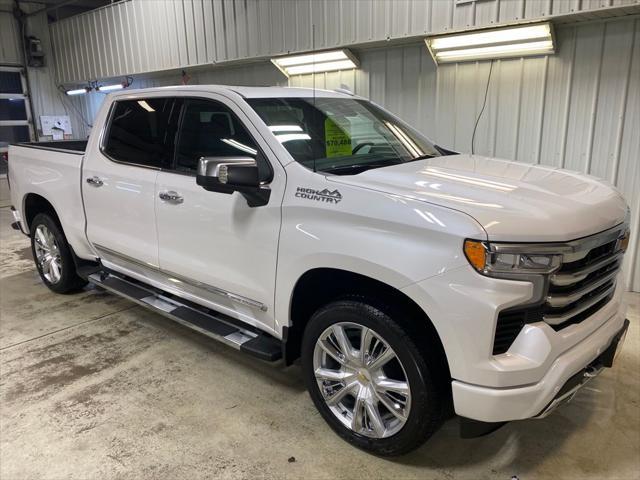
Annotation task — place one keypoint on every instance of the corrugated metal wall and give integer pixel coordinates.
(579, 109)
(45, 96)
(256, 74)
(10, 48)
(137, 36)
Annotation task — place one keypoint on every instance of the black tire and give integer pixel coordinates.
(69, 280)
(428, 392)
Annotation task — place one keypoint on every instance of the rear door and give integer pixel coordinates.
(119, 179)
(213, 244)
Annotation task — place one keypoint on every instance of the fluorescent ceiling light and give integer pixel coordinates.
(79, 91)
(405, 140)
(285, 128)
(239, 146)
(287, 137)
(504, 42)
(146, 106)
(316, 62)
(109, 88)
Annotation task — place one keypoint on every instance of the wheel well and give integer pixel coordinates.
(35, 204)
(320, 286)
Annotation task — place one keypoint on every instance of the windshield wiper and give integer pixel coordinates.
(360, 167)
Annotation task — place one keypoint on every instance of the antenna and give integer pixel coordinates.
(313, 76)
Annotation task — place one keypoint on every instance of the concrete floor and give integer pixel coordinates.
(94, 387)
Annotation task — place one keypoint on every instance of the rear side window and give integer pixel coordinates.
(143, 131)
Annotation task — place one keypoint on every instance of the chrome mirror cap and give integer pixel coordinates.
(216, 167)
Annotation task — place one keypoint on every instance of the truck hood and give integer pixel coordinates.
(512, 201)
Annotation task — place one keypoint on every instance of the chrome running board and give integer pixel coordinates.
(211, 324)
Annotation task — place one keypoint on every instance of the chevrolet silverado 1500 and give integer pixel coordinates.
(411, 281)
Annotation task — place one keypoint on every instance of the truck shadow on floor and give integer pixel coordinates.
(574, 434)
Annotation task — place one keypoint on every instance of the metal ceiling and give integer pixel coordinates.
(61, 9)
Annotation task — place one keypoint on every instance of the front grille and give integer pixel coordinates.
(583, 284)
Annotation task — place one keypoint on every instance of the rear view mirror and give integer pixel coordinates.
(233, 174)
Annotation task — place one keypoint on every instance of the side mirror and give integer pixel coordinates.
(233, 174)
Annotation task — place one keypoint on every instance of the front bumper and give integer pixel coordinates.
(567, 375)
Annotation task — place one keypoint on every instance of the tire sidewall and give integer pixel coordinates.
(68, 280)
(425, 405)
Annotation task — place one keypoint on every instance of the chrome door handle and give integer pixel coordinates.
(171, 196)
(95, 181)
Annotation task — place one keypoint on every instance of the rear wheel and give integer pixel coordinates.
(369, 380)
(52, 256)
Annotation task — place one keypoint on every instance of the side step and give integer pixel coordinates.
(214, 325)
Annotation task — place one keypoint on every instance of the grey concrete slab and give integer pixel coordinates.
(89, 390)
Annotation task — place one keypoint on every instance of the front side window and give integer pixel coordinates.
(342, 136)
(210, 129)
(142, 132)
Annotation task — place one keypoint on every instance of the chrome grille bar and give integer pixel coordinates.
(557, 300)
(587, 276)
(559, 319)
(569, 278)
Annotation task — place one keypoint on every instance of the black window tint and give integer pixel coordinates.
(209, 129)
(143, 131)
(13, 109)
(15, 133)
(10, 82)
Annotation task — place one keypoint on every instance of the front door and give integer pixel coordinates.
(119, 180)
(214, 245)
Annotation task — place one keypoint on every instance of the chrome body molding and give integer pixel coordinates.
(566, 397)
(176, 279)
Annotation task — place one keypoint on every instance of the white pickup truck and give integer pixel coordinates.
(411, 281)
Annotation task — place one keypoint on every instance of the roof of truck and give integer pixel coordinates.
(246, 92)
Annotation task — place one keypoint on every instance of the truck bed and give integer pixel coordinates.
(51, 172)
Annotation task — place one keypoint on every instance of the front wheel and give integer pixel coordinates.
(52, 256)
(369, 380)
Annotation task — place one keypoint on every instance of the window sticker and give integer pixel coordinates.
(337, 141)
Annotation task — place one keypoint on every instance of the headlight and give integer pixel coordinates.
(488, 259)
(623, 242)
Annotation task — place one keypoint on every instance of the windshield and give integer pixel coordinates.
(342, 136)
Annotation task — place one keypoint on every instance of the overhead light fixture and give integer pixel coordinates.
(288, 137)
(240, 146)
(516, 41)
(285, 128)
(146, 106)
(110, 88)
(316, 62)
(78, 91)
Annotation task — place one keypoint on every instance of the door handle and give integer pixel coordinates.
(95, 181)
(171, 196)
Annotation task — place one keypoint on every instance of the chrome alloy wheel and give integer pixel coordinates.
(362, 380)
(48, 254)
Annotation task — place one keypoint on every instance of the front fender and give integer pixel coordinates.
(397, 241)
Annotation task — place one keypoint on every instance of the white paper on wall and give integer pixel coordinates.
(61, 123)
